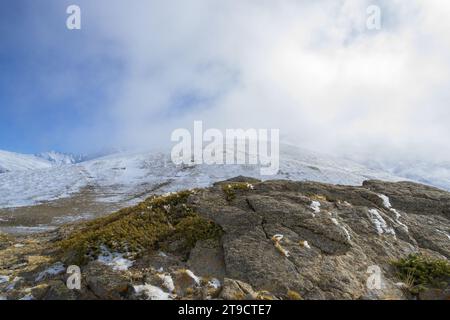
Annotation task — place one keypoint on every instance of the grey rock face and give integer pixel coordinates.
(330, 235)
(281, 240)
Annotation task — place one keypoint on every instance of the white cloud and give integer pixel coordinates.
(309, 68)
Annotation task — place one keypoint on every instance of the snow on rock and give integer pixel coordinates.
(444, 233)
(387, 204)
(53, 270)
(380, 223)
(167, 282)
(115, 260)
(344, 229)
(305, 244)
(152, 292)
(315, 206)
(193, 277)
(214, 283)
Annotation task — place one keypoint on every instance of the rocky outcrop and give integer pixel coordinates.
(279, 240)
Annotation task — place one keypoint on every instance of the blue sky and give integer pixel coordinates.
(51, 85)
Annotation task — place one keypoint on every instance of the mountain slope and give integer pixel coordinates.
(127, 177)
(59, 158)
(10, 161)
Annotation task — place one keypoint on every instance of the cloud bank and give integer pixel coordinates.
(310, 68)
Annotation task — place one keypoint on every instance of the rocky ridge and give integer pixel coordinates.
(244, 239)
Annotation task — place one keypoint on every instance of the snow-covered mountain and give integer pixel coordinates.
(127, 176)
(59, 158)
(10, 161)
(432, 173)
(45, 193)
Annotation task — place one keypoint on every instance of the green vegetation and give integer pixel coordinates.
(230, 189)
(142, 227)
(419, 272)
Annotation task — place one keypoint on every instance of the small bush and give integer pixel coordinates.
(419, 272)
(294, 295)
(139, 228)
(231, 188)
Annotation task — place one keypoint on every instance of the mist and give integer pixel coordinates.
(309, 68)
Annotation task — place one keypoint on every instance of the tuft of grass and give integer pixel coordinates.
(231, 188)
(419, 272)
(318, 197)
(293, 295)
(137, 229)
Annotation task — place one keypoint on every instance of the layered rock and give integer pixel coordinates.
(279, 240)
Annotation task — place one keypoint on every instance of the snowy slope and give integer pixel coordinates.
(432, 173)
(58, 158)
(10, 161)
(127, 177)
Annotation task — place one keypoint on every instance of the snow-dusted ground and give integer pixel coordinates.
(127, 177)
(28, 187)
(10, 161)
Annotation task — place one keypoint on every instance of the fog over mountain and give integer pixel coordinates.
(310, 68)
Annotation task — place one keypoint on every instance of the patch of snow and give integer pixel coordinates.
(4, 279)
(115, 260)
(444, 233)
(336, 222)
(214, 283)
(193, 277)
(167, 282)
(315, 206)
(53, 270)
(387, 204)
(386, 201)
(152, 292)
(305, 244)
(380, 223)
(19, 245)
